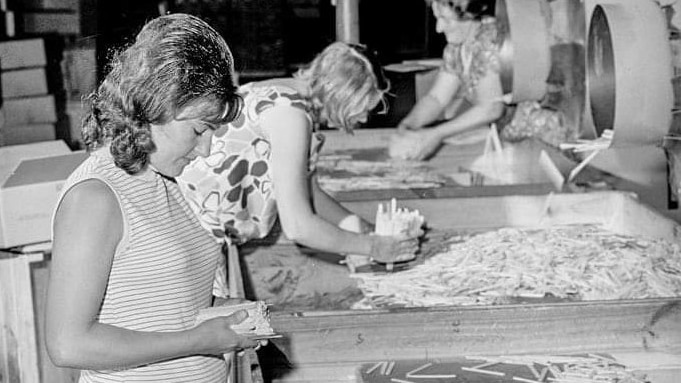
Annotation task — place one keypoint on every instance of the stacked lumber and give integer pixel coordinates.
(29, 111)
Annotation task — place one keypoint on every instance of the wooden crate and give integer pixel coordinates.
(329, 344)
(18, 354)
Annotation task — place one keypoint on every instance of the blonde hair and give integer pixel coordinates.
(346, 80)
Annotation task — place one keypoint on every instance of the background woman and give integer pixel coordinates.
(262, 164)
(467, 93)
(131, 265)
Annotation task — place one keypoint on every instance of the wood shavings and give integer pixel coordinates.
(416, 373)
(343, 174)
(574, 262)
(481, 371)
(571, 369)
(600, 143)
(257, 324)
(389, 369)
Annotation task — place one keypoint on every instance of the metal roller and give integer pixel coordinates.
(629, 72)
(525, 54)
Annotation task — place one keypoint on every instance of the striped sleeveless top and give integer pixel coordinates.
(162, 271)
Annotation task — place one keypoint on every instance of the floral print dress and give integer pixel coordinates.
(472, 60)
(231, 190)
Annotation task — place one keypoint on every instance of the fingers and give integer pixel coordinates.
(397, 248)
(237, 317)
(247, 342)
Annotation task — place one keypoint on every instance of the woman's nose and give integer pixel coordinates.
(203, 146)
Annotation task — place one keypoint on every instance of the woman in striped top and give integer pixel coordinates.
(131, 264)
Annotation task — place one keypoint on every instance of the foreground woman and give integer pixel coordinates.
(131, 265)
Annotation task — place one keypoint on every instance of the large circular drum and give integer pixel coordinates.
(525, 48)
(629, 72)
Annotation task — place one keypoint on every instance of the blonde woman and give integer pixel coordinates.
(262, 164)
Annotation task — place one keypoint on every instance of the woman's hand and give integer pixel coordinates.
(405, 126)
(414, 145)
(427, 143)
(216, 337)
(387, 249)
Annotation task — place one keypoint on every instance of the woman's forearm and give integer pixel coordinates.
(326, 206)
(317, 233)
(108, 347)
(427, 110)
(477, 116)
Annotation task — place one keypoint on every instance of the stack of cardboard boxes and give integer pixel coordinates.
(62, 17)
(67, 28)
(29, 111)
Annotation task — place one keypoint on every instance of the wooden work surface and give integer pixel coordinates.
(330, 344)
(462, 163)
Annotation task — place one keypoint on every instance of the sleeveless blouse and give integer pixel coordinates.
(231, 190)
(470, 61)
(162, 272)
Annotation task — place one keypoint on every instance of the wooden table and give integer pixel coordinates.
(517, 172)
(333, 344)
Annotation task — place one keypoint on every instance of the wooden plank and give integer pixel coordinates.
(19, 359)
(618, 211)
(375, 335)
(245, 368)
(443, 192)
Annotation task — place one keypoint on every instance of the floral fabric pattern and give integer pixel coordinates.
(231, 190)
(471, 60)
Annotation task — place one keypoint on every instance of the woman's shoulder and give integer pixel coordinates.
(268, 94)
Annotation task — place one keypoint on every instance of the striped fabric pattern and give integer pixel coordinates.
(162, 272)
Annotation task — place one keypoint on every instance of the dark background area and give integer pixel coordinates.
(273, 38)
(270, 37)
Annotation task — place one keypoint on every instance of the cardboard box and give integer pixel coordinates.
(72, 5)
(23, 83)
(31, 177)
(26, 134)
(30, 110)
(63, 23)
(25, 53)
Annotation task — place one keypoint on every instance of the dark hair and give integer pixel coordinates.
(469, 9)
(176, 61)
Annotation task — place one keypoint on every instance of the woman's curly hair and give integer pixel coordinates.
(346, 80)
(176, 61)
